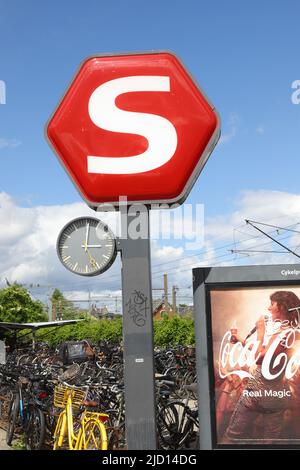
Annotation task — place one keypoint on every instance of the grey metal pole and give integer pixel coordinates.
(138, 333)
(166, 291)
(174, 300)
(89, 303)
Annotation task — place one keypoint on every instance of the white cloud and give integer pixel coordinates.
(271, 207)
(260, 130)
(12, 143)
(28, 243)
(232, 124)
(185, 223)
(28, 239)
(166, 253)
(263, 206)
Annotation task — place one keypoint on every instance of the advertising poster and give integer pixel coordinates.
(256, 359)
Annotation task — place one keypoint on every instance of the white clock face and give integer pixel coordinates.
(86, 246)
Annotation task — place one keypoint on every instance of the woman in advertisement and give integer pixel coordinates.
(260, 412)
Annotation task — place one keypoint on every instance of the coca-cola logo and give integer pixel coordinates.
(238, 358)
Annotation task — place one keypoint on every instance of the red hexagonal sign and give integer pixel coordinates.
(133, 125)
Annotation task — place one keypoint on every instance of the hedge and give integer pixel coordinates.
(167, 332)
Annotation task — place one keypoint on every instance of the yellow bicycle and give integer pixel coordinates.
(87, 431)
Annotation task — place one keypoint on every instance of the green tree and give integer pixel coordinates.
(63, 309)
(17, 306)
(174, 331)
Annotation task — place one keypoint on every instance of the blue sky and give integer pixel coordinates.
(244, 55)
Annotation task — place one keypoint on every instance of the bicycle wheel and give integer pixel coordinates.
(93, 436)
(35, 429)
(59, 430)
(173, 425)
(12, 419)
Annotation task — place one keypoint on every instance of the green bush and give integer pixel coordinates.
(92, 330)
(167, 332)
(174, 331)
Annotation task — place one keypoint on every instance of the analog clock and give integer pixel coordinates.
(86, 246)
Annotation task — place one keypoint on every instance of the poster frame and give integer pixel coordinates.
(206, 279)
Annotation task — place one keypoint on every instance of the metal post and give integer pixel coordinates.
(166, 300)
(89, 302)
(138, 334)
(174, 307)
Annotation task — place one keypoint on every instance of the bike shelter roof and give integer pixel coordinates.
(37, 325)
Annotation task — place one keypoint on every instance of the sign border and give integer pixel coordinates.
(102, 206)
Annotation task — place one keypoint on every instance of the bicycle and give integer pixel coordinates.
(25, 412)
(88, 431)
(177, 422)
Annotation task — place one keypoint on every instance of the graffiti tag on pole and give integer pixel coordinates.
(137, 308)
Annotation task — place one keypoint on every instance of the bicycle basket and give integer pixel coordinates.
(61, 393)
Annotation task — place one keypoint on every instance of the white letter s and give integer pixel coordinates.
(160, 133)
